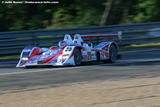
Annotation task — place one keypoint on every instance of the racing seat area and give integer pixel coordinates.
(62, 43)
(67, 41)
(77, 39)
(77, 42)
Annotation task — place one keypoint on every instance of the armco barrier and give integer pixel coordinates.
(11, 43)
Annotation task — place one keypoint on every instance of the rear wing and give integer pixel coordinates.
(118, 35)
(112, 37)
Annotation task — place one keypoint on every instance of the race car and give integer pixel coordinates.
(70, 51)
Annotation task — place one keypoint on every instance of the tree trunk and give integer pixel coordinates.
(107, 13)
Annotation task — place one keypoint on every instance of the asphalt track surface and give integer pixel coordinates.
(134, 64)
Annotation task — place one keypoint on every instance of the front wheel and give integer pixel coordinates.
(77, 56)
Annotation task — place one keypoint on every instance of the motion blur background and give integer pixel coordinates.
(77, 13)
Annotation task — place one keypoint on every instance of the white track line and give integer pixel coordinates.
(42, 70)
(69, 68)
(45, 70)
(53, 69)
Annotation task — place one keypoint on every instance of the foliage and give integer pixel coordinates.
(75, 13)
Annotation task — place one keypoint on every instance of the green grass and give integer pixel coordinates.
(9, 57)
(145, 45)
(140, 46)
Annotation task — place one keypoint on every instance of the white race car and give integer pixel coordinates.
(69, 52)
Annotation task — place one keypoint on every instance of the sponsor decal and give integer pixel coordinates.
(44, 57)
(59, 60)
(49, 59)
(106, 47)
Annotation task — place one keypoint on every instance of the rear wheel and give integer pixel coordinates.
(98, 56)
(112, 54)
(77, 56)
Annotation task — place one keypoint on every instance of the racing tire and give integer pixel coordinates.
(77, 57)
(98, 56)
(112, 54)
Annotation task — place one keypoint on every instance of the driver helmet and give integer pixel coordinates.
(62, 43)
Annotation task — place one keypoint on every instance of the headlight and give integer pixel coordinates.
(25, 58)
(65, 56)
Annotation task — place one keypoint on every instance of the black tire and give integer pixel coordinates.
(112, 54)
(98, 56)
(77, 56)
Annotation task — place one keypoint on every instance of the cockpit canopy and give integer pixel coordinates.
(62, 43)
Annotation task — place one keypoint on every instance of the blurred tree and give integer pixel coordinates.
(76, 13)
(107, 12)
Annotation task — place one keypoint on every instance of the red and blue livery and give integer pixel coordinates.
(70, 51)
